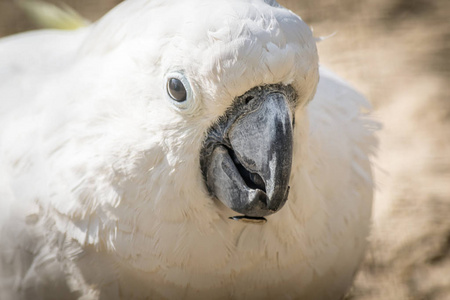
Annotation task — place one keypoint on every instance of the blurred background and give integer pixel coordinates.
(397, 53)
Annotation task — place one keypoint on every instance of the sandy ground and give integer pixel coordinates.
(397, 53)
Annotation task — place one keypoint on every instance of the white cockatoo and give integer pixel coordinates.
(180, 150)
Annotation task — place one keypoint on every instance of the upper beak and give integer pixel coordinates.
(249, 168)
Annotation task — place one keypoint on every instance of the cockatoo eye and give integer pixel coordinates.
(176, 89)
(179, 91)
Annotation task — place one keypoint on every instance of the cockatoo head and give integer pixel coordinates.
(215, 90)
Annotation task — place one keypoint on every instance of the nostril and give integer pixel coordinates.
(248, 99)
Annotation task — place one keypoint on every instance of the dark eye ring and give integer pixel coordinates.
(176, 89)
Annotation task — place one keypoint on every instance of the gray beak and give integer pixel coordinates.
(247, 158)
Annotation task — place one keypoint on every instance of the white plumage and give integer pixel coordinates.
(101, 191)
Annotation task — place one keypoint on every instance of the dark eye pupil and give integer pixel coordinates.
(176, 89)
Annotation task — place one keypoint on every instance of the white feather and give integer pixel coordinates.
(100, 173)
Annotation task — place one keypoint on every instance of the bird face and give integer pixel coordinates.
(246, 156)
(243, 79)
(211, 98)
